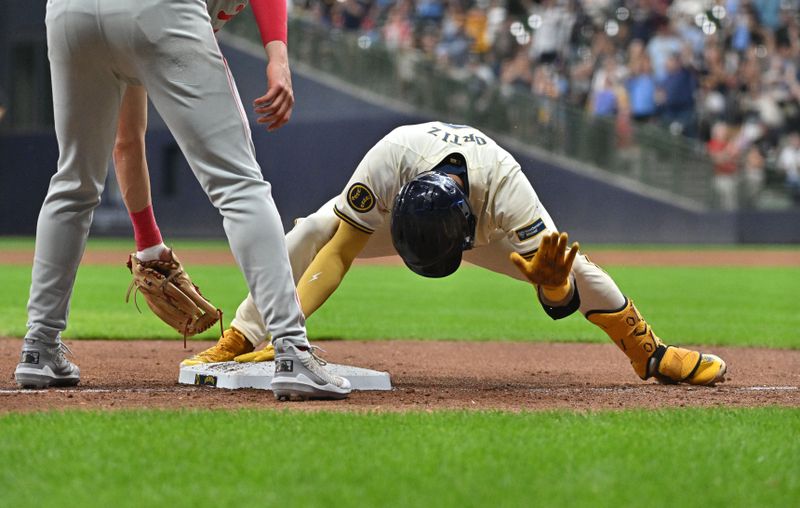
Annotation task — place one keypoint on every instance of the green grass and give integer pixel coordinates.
(27, 243)
(98, 308)
(743, 457)
(723, 306)
(687, 305)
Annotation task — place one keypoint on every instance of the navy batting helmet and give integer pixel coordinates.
(432, 224)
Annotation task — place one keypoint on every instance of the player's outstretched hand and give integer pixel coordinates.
(551, 266)
(274, 108)
(266, 354)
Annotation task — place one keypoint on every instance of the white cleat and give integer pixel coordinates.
(301, 375)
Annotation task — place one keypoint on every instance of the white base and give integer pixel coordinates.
(233, 375)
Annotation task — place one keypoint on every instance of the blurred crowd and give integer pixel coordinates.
(725, 72)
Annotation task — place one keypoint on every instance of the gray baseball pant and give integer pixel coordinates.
(95, 50)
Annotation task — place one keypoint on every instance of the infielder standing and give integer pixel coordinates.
(96, 49)
(274, 108)
(435, 193)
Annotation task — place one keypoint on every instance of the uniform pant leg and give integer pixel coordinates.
(494, 257)
(308, 236)
(303, 242)
(596, 289)
(86, 99)
(192, 89)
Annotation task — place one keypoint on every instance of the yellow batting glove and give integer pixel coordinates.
(263, 355)
(551, 266)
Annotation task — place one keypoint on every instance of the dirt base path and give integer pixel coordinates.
(426, 376)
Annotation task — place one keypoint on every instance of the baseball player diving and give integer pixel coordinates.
(96, 51)
(437, 194)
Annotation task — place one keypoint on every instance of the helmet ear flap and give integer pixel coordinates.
(469, 240)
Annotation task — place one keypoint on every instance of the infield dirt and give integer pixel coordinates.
(426, 376)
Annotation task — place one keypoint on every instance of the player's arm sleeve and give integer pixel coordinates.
(271, 19)
(365, 202)
(325, 273)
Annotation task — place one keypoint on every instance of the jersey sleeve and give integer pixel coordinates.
(519, 214)
(367, 199)
(271, 19)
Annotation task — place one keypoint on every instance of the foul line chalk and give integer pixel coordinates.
(93, 390)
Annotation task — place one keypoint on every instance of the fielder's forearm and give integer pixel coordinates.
(130, 164)
(277, 52)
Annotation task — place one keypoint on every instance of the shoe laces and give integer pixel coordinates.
(316, 364)
(61, 352)
(312, 350)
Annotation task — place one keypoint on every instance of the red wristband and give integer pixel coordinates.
(145, 229)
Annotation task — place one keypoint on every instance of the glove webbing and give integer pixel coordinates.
(163, 283)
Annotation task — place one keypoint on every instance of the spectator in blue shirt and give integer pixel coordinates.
(676, 94)
(641, 87)
(430, 10)
(604, 99)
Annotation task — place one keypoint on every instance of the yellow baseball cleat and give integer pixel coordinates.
(229, 346)
(650, 357)
(673, 364)
(267, 354)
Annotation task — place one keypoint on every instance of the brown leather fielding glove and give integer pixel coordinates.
(171, 295)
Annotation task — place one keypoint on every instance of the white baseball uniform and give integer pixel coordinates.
(168, 46)
(510, 217)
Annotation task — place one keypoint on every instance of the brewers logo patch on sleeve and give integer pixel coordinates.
(360, 198)
(530, 230)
